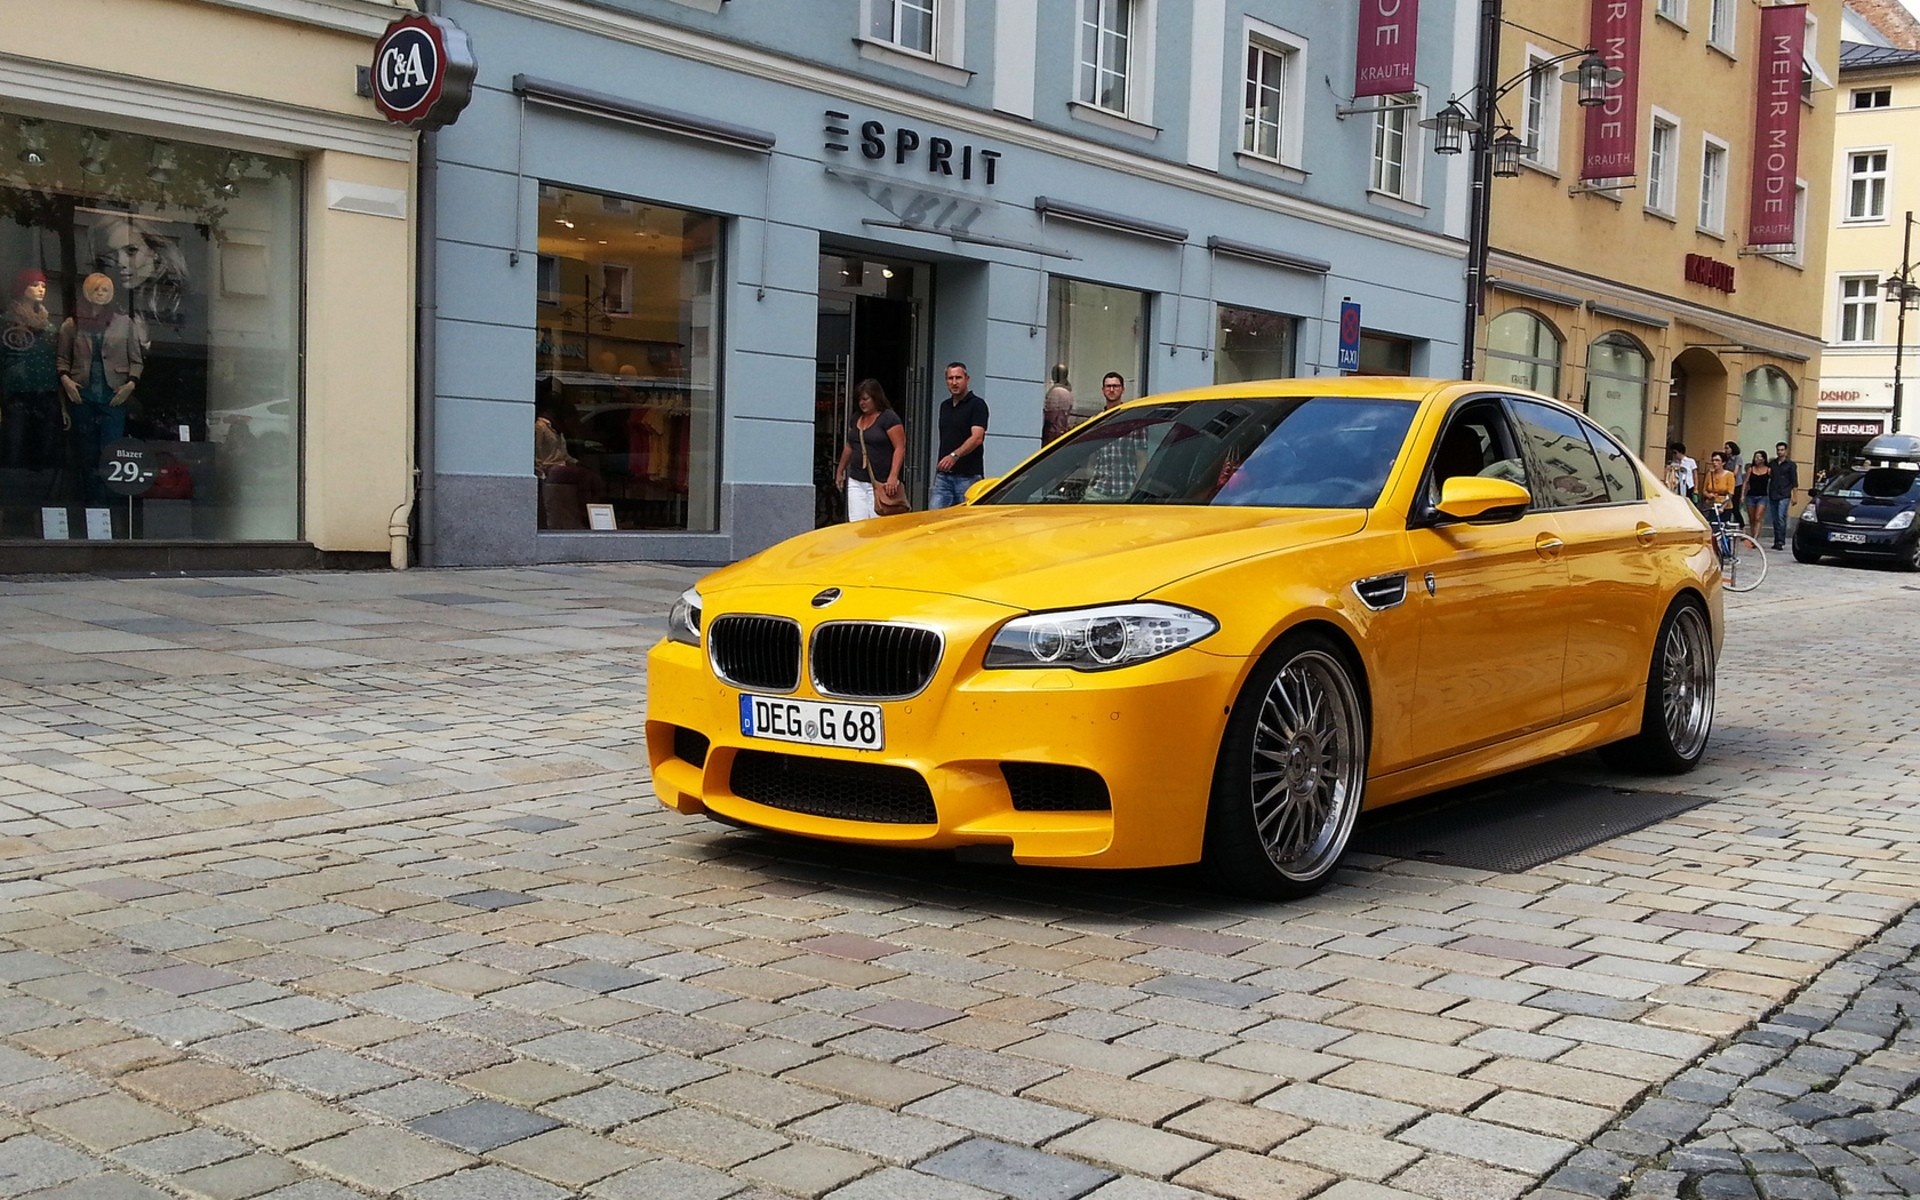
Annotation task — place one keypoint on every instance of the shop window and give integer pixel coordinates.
(1384, 354)
(1617, 387)
(627, 404)
(1859, 308)
(1523, 350)
(1252, 344)
(1093, 329)
(1766, 408)
(150, 345)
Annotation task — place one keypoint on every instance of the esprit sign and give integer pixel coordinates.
(423, 69)
(1710, 273)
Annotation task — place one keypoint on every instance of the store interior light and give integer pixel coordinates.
(94, 145)
(564, 217)
(33, 142)
(162, 162)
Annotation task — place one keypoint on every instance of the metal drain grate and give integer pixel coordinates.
(1514, 826)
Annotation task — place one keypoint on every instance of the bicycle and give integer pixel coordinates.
(1743, 564)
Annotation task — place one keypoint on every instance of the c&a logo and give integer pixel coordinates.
(423, 69)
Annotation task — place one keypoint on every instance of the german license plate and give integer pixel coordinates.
(812, 723)
(1852, 539)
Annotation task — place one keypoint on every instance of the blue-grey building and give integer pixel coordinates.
(670, 236)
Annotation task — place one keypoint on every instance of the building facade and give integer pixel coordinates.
(1873, 181)
(1643, 296)
(206, 353)
(673, 235)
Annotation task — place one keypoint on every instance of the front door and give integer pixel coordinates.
(870, 327)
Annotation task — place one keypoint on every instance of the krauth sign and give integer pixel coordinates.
(1389, 45)
(1614, 123)
(1776, 125)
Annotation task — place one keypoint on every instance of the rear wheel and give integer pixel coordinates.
(1292, 772)
(1679, 709)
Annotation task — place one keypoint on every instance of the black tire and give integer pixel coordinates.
(1803, 553)
(1678, 717)
(1292, 772)
(1910, 561)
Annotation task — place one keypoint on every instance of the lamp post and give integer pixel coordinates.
(1496, 148)
(1904, 292)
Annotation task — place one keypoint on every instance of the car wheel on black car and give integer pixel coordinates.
(1803, 553)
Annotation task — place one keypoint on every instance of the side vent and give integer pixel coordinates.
(1382, 592)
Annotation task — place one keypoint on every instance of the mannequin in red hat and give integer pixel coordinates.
(31, 415)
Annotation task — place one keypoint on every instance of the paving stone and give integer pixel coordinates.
(109, 1122)
(1510, 1148)
(282, 1120)
(893, 1183)
(380, 1159)
(1242, 1176)
(333, 1074)
(1007, 1118)
(1017, 1171)
(486, 1183)
(1348, 1110)
(239, 1178)
(180, 1152)
(31, 1162)
(482, 1125)
(705, 1138)
(890, 1137)
(1137, 1149)
(805, 1170)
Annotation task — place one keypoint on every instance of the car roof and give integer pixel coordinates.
(1365, 387)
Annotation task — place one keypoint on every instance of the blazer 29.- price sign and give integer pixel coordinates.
(423, 69)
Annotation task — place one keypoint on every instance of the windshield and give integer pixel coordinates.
(1880, 485)
(1279, 452)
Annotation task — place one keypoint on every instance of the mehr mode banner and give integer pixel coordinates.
(1776, 125)
(1613, 125)
(1389, 44)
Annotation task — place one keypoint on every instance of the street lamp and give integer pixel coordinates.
(1496, 148)
(1904, 292)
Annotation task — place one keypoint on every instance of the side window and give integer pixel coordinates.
(1477, 441)
(1623, 482)
(1568, 470)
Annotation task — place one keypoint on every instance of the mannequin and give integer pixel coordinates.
(33, 415)
(99, 359)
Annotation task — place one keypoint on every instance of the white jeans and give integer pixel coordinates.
(859, 500)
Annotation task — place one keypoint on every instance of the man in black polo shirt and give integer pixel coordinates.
(963, 429)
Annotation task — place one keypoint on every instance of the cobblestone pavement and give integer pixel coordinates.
(323, 886)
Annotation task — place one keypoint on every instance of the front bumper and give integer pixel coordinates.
(1151, 733)
(1875, 543)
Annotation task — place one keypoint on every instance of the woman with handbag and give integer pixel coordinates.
(870, 461)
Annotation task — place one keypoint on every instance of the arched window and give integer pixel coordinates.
(1617, 388)
(1523, 350)
(1766, 409)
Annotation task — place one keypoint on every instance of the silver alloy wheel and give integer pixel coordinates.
(1686, 673)
(1308, 765)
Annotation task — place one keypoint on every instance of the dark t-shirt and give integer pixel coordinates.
(879, 447)
(957, 419)
(1785, 478)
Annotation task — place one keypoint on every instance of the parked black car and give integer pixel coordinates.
(1871, 511)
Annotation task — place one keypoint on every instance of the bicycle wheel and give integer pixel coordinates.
(1744, 564)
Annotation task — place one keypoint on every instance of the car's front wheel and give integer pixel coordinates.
(1292, 771)
(1678, 714)
(1803, 552)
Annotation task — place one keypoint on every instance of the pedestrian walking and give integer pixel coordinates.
(1758, 473)
(1731, 454)
(1681, 471)
(871, 458)
(1780, 485)
(963, 431)
(1056, 409)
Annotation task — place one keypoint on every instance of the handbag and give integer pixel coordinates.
(883, 505)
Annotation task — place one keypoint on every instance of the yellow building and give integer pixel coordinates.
(1875, 134)
(206, 348)
(1641, 298)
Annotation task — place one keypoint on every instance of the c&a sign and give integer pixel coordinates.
(423, 69)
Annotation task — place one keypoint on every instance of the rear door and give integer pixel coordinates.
(1493, 628)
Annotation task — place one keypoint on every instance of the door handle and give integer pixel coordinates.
(1548, 546)
(1645, 535)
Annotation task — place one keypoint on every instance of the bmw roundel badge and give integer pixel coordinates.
(827, 597)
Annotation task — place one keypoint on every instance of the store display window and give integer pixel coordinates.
(1093, 329)
(1523, 350)
(1766, 408)
(1617, 370)
(626, 410)
(149, 339)
(1251, 344)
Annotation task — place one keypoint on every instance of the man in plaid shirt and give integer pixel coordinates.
(1116, 466)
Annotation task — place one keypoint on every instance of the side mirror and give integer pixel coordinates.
(980, 489)
(1477, 498)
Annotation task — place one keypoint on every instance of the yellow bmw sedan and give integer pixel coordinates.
(1206, 626)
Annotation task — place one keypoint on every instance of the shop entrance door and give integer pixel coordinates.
(872, 326)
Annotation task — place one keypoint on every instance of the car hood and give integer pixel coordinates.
(1034, 557)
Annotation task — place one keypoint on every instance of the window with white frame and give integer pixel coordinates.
(1672, 10)
(1663, 154)
(1723, 24)
(907, 24)
(1541, 118)
(1270, 119)
(1872, 97)
(1867, 185)
(1395, 133)
(1713, 186)
(1859, 308)
(1106, 53)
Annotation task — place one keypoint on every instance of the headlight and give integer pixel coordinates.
(683, 621)
(1811, 516)
(1901, 520)
(1099, 638)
